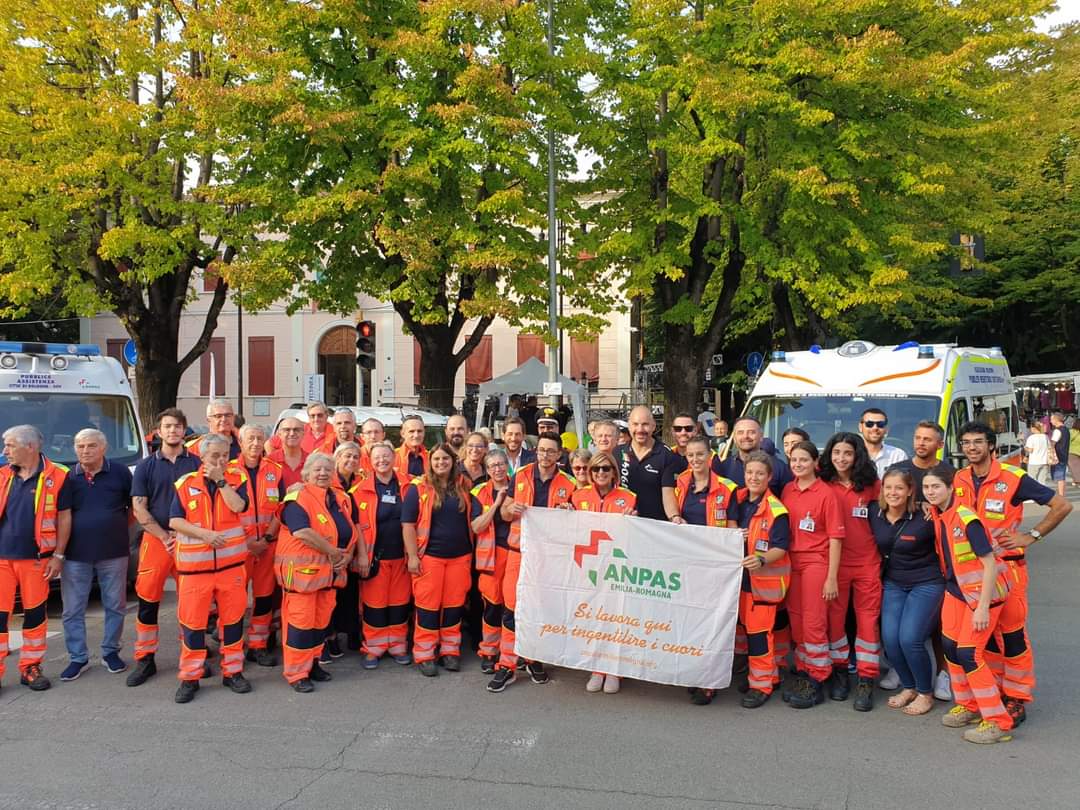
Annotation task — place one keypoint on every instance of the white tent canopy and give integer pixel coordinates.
(529, 378)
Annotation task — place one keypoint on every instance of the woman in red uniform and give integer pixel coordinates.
(316, 542)
(817, 532)
(438, 546)
(847, 467)
(703, 499)
(976, 586)
(601, 495)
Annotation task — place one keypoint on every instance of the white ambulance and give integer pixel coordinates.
(824, 391)
(63, 388)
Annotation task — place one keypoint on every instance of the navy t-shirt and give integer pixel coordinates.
(100, 506)
(17, 540)
(779, 532)
(646, 477)
(155, 478)
(733, 469)
(980, 544)
(502, 528)
(295, 518)
(388, 542)
(907, 547)
(694, 508)
(449, 533)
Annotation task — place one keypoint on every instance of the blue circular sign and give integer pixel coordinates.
(754, 362)
(131, 354)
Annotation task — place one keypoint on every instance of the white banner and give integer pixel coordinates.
(629, 596)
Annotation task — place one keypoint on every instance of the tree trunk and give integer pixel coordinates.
(156, 388)
(684, 371)
(438, 369)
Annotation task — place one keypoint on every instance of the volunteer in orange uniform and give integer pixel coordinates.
(976, 586)
(996, 492)
(539, 484)
(599, 494)
(344, 427)
(766, 575)
(346, 618)
(211, 549)
(412, 457)
(316, 542)
(264, 494)
(847, 467)
(221, 418)
(388, 591)
(35, 525)
(703, 498)
(817, 533)
(471, 455)
(492, 550)
(289, 454)
(438, 546)
(371, 433)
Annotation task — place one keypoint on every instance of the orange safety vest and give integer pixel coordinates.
(192, 445)
(193, 556)
(485, 540)
(327, 444)
(367, 505)
(401, 460)
(560, 491)
(299, 567)
(51, 478)
(718, 500)
(967, 569)
(993, 504)
(589, 499)
(770, 582)
(269, 491)
(427, 507)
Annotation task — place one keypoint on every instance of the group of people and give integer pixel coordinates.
(336, 532)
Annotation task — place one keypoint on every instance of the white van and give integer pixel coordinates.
(63, 388)
(824, 391)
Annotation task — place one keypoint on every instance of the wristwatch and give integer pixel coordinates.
(1036, 534)
(220, 484)
(58, 556)
(267, 538)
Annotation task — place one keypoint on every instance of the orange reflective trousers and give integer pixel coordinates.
(1008, 653)
(195, 593)
(386, 598)
(26, 577)
(306, 619)
(973, 683)
(439, 591)
(156, 565)
(260, 572)
(491, 589)
(757, 619)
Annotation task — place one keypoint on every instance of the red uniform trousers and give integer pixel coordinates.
(508, 658)
(809, 613)
(386, 597)
(973, 683)
(439, 591)
(758, 620)
(195, 593)
(1008, 653)
(306, 617)
(861, 585)
(491, 589)
(260, 571)
(26, 577)
(156, 565)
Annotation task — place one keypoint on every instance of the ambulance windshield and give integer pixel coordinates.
(822, 416)
(60, 416)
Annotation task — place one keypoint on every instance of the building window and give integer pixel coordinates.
(530, 346)
(114, 347)
(585, 361)
(260, 366)
(478, 364)
(217, 351)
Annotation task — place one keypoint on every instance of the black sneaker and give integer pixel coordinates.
(428, 669)
(807, 694)
(144, 669)
(324, 656)
(487, 664)
(33, 677)
(238, 683)
(701, 697)
(521, 664)
(333, 648)
(262, 656)
(186, 692)
(1016, 710)
(352, 641)
(319, 675)
(839, 685)
(754, 698)
(537, 673)
(787, 688)
(303, 686)
(740, 673)
(451, 663)
(503, 678)
(864, 695)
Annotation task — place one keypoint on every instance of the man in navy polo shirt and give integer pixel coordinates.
(648, 468)
(100, 504)
(747, 437)
(152, 491)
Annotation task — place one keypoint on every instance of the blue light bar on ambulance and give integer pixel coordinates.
(779, 357)
(76, 349)
(926, 352)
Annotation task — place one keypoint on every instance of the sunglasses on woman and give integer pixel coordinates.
(604, 468)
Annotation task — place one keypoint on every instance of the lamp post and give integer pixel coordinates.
(552, 235)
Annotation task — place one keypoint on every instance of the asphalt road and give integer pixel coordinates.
(392, 739)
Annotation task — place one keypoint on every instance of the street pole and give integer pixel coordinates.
(552, 235)
(239, 353)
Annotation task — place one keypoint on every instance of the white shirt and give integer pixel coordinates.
(888, 456)
(1038, 449)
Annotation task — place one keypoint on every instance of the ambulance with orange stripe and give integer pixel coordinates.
(824, 391)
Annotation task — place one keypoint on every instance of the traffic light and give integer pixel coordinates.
(365, 344)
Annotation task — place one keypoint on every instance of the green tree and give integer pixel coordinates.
(802, 156)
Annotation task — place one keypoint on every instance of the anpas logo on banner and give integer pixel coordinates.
(629, 596)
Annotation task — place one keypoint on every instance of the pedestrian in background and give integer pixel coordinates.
(1074, 452)
(1037, 454)
(792, 436)
(1059, 437)
(874, 427)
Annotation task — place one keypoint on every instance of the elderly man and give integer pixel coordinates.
(605, 436)
(265, 491)
(221, 418)
(648, 467)
(455, 431)
(100, 506)
(35, 524)
(290, 453)
(208, 514)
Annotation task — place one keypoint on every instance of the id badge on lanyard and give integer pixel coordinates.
(807, 523)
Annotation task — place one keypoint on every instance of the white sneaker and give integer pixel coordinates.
(596, 682)
(943, 686)
(611, 685)
(890, 680)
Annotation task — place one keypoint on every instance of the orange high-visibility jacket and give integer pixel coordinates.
(559, 492)
(367, 505)
(269, 491)
(952, 528)
(770, 582)
(589, 499)
(485, 540)
(299, 567)
(401, 460)
(193, 556)
(993, 504)
(718, 504)
(51, 478)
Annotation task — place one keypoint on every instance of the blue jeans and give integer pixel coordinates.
(908, 616)
(75, 581)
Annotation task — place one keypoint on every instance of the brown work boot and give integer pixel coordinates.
(987, 733)
(958, 717)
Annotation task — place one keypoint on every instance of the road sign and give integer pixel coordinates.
(754, 362)
(131, 354)
(553, 389)
(718, 359)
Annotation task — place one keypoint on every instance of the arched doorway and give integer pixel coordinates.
(337, 364)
